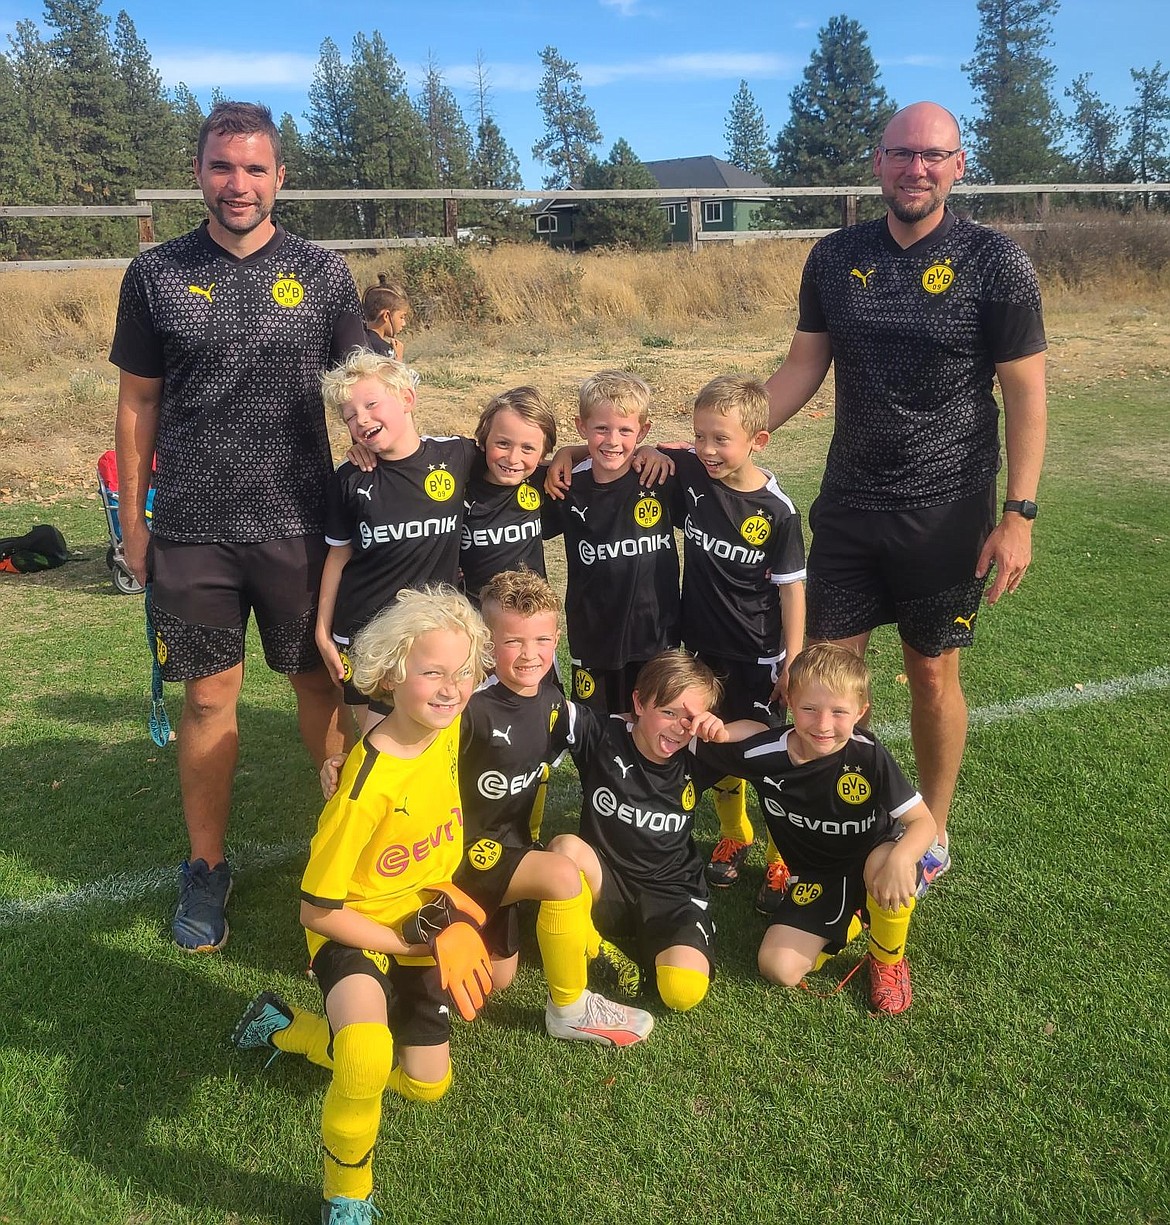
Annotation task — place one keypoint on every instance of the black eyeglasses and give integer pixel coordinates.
(930, 157)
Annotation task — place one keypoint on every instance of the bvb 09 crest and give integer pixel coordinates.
(288, 291)
(938, 277)
(647, 512)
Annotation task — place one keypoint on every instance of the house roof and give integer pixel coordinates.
(682, 172)
(678, 174)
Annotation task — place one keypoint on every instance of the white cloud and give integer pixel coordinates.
(628, 8)
(703, 65)
(232, 69)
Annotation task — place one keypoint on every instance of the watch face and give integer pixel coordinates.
(1022, 507)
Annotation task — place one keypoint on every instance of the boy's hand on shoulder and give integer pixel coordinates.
(330, 773)
(449, 927)
(362, 457)
(651, 465)
(559, 477)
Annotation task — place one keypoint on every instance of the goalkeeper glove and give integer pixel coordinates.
(448, 926)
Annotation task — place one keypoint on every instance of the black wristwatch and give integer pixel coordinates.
(1021, 506)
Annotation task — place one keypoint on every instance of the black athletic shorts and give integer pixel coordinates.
(607, 691)
(485, 874)
(747, 687)
(912, 568)
(418, 1010)
(655, 921)
(202, 595)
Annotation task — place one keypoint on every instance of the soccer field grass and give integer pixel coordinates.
(1028, 1083)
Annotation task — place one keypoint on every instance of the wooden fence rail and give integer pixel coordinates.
(145, 199)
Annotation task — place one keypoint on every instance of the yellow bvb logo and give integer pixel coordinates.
(288, 291)
(484, 854)
(439, 485)
(938, 277)
(755, 529)
(584, 685)
(527, 498)
(160, 650)
(347, 666)
(647, 512)
(803, 894)
(381, 960)
(553, 716)
(853, 789)
(688, 796)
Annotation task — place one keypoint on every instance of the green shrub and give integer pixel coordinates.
(443, 285)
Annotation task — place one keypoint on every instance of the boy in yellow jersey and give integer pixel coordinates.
(391, 941)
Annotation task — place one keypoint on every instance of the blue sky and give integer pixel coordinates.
(661, 73)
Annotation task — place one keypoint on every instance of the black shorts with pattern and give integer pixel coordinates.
(913, 568)
(201, 596)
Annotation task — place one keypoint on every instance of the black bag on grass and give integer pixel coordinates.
(40, 548)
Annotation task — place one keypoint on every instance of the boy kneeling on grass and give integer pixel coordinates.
(850, 827)
(390, 938)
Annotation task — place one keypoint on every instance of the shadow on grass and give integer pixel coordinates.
(136, 1079)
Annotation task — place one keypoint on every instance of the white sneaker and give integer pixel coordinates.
(593, 1018)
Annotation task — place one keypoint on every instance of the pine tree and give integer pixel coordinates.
(747, 134)
(1014, 139)
(36, 168)
(80, 50)
(636, 223)
(390, 139)
(570, 126)
(493, 166)
(1149, 127)
(1094, 129)
(296, 215)
(448, 136)
(839, 111)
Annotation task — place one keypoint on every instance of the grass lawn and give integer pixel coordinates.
(1028, 1083)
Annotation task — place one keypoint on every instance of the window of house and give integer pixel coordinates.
(671, 213)
(682, 208)
(546, 223)
(712, 212)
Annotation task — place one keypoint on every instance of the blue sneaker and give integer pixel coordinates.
(344, 1211)
(266, 1015)
(931, 866)
(200, 925)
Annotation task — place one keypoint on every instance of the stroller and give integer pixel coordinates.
(107, 469)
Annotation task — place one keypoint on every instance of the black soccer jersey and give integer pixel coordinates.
(737, 549)
(402, 521)
(242, 450)
(622, 597)
(502, 528)
(827, 813)
(507, 741)
(916, 334)
(637, 813)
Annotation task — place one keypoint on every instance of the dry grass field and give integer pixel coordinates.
(675, 318)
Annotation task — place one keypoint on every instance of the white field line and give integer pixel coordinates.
(1054, 699)
(134, 886)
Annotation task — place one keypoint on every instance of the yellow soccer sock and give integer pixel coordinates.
(308, 1035)
(731, 808)
(536, 816)
(887, 931)
(564, 931)
(417, 1090)
(362, 1055)
(771, 854)
(593, 940)
(853, 933)
(681, 989)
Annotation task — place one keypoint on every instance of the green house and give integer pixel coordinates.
(556, 219)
